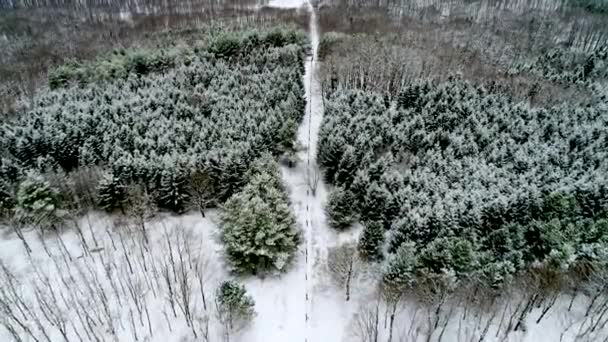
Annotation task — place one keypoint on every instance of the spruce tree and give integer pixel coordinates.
(174, 193)
(376, 203)
(347, 168)
(111, 193)
(339, 209)
(235, 307)
(37, 201)
(258, 229)
(203, 189)
(7, 202)
(401, 267)
(371, 241)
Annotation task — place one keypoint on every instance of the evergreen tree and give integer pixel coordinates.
(347, 168)
(134, 125)
(111, 193)
(258, 229)
(401, 267)
(371, 241)
(376, 204)
(173, 192)
(203, 189)
(287, 136)
(37, 201)
(329, 153)
(7, 202)
(408, 98)
(235, 307)
(339, 209)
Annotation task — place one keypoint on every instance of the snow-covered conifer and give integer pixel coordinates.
(111, 193)
(258, 228)
(37, 201)
(371, 241)
(340, 210)
(235, 307)
(173, 192)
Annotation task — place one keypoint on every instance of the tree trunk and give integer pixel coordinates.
(348, 277)
(390, 328)
(202, 209)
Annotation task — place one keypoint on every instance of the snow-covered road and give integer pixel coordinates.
(326, 313)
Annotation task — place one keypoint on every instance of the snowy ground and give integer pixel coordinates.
(107, 284)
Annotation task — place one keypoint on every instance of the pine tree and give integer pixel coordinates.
(37, 201)
(173, 192)
(408, 98)
(376, 203)
(339, 209)
(111, 193)
(203, 189)
(401, 268)
(329, 153)
(347, 168)
(258, 229)
(286, 136)
(7, 202)
(371, 241)
(235, 307)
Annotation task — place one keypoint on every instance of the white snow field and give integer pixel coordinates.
(99, 281)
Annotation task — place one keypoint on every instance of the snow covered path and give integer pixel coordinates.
(326, 313)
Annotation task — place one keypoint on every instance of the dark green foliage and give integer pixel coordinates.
(238, 44)
(225, 46)
(568, 66)
(327, 43)
(7, 200)
(371, 241)
(258, 229)
(153, 116)
(37, 201)
(401, 268)
(60, 77)
(286, 136)
(340, 209)
(235, 306)
(447, 255)
(111, 193)
(9, 170)
(475, 185)
(330, 154)
(138, 64)
(347, 167)
(596, 6)
(113, 66)
(409, 98)
(174, 193)
(376, 204)
(597, 232)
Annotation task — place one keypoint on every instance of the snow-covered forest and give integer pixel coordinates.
(288, 170)
(470, 144)
(467, 182)
(156, 119)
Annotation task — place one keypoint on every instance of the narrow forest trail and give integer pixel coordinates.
(326, 314)
(307, 206)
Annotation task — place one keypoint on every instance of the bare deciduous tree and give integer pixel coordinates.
(344, 264)
(367, 322)
(141, 208)
(392, 297)
(314, 175)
